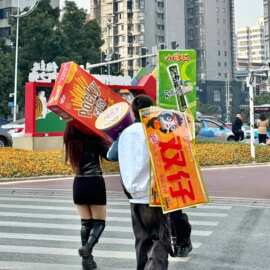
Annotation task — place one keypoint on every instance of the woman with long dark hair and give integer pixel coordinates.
(83, 153)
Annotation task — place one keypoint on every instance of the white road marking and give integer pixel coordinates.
(50, 200)
(206, 214)
(67, 238)
(39, 225)
(76, 217)
(74, 252)
(211, 206)
(7, 265)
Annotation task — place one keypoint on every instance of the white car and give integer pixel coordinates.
(15, 129)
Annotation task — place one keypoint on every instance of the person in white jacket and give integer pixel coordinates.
(150, 227)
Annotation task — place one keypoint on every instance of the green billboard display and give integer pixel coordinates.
(46, 120)
(177, 80)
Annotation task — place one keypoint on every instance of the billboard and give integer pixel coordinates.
(177, 80)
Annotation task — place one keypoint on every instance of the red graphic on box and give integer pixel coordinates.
(79, 96)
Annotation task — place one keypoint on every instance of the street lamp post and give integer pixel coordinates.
(16, 64)
(18, 16)
(250, 83)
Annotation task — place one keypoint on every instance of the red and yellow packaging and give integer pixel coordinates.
(176, 172)
(79, 96)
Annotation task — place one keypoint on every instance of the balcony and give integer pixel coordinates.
(159, 10)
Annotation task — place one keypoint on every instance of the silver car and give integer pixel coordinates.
(5, 138)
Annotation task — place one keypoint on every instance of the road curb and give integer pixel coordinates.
(54, 177)
(233, 166)
(43, 177)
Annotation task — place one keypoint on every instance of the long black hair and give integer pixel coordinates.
(76, 142)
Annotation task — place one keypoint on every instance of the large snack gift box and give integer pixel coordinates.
(79, 96)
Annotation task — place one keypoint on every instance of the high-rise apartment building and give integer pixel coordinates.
(8, 7)
(266, 8)
(209, 30)
(131, 28)
(251, 51)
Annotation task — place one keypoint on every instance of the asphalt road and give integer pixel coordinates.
(39, 227)
(251, 181)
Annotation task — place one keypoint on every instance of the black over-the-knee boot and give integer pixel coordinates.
(88, 262)
(86, 227)
(98, 228)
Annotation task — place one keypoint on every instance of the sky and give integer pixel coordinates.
(246, 11)
(85, 4)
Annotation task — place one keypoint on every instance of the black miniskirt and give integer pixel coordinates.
(89, 190)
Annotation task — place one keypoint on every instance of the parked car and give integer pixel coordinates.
(15, 129)
(5, 138)
(212, 129)
(246, 129)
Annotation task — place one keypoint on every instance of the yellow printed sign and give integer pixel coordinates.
(154, 199)
(176, 172)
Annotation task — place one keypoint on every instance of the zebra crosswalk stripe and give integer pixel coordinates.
(69, 238)
(8, 265)
(74, 252)
(75, 217)
(30, 226)
(77, 227)
(110, 210)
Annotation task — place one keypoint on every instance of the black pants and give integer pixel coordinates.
(181, 228)
(262, 138)
(238, 135)
(152, 241)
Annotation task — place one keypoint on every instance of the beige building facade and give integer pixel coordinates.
(251, 49)
(133, 28)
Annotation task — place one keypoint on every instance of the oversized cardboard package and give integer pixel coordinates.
(79, 96)
(176, 181)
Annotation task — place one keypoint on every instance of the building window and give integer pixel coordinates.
(129, 5)
(5, 13)
(5, 32)
(217, 96)
(141, 4)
